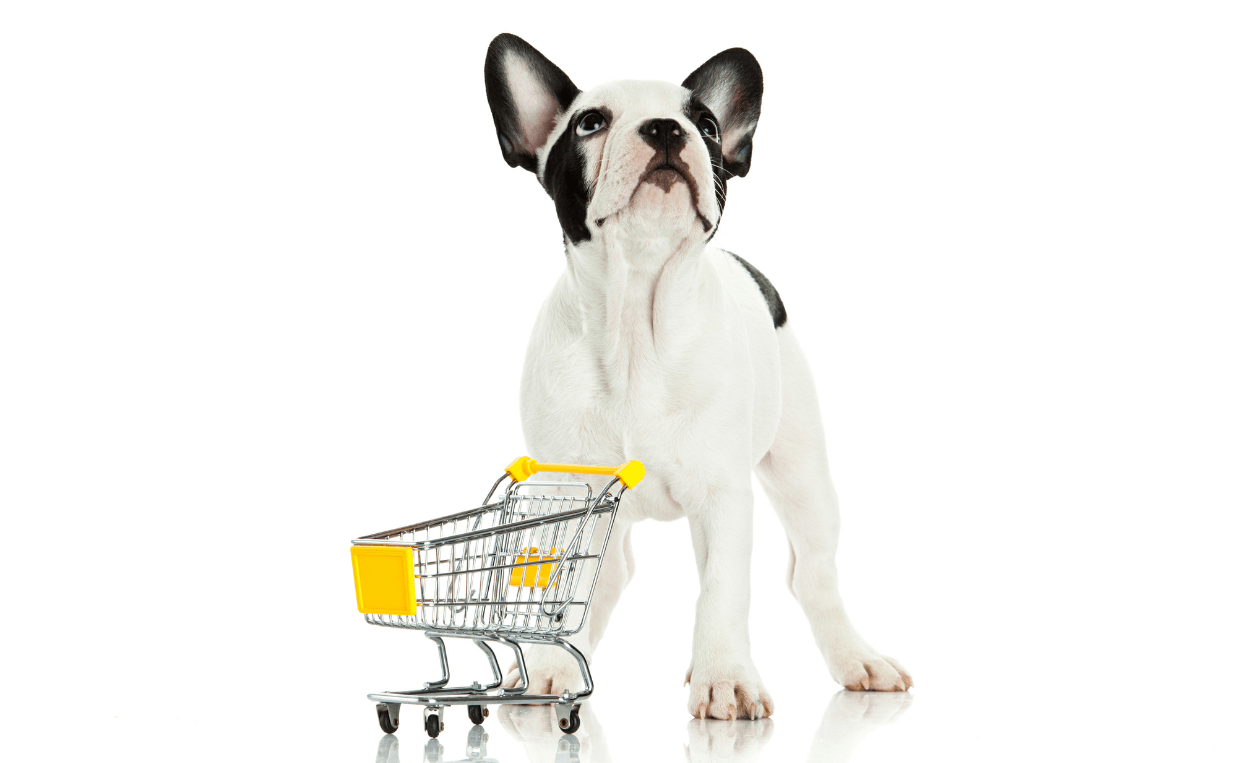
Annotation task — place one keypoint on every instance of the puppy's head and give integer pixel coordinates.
(652, 158)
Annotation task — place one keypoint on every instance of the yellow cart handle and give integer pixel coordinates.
(629, 474)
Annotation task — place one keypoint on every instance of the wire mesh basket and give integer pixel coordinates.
(521, 569)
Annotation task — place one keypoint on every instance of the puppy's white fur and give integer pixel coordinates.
(655, 346)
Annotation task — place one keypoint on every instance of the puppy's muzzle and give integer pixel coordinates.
(668, 140)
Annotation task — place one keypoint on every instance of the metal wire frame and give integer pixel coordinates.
(477, 577)
(482, 571)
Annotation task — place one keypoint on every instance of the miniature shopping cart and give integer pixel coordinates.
(519, 570)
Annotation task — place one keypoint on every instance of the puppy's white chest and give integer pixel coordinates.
(696, 397)
(579, 416)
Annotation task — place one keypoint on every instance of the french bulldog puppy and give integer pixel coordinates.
(655, 346)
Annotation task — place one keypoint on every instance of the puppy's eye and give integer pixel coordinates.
(590, 123)
(709, 128)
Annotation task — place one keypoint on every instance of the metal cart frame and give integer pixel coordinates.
(478, 574)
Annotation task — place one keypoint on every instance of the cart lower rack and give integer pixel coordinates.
(519, 570)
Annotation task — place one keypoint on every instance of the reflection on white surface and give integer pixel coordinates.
(388, 749)
(737, 741)
(848, 719)
(851, 716)
(536, 727)
(434, 751)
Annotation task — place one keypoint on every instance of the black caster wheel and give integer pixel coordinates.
(433, 726)
(477, 714)
(385, 720)
(571, 724)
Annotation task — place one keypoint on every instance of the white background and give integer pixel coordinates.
(265, 285)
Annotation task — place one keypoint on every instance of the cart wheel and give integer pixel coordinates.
(477, 714)
(385, 720)
(572, 723)
(432, 726)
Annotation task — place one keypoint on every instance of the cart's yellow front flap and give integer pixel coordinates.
(383, 576)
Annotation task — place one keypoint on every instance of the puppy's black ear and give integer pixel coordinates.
(730, 85)
(527, 94)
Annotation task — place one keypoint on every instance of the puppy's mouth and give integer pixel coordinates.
(664, 176)
(666, 170)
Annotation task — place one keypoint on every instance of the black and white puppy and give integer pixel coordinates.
(655, 346)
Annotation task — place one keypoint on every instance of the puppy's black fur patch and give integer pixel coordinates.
(565, 182)
(772, 300)
(696, 111)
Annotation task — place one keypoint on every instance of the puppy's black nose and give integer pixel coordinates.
(662, 133)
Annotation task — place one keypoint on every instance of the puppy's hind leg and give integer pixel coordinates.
(796, 477)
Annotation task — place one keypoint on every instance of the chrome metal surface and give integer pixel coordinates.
(442, 659)
(521, 570)
(563, 713)
(465, 563)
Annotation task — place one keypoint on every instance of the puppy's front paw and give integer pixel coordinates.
(551, 671)
(727, 693)
(861, 670)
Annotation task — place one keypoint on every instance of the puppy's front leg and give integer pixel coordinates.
(724, 682)
(551, 669)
